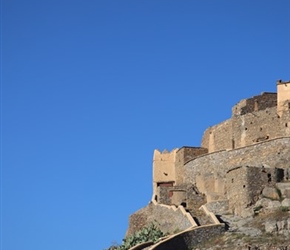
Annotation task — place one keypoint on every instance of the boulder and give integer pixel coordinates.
(270, 192)
(286, 202)
(271, 226)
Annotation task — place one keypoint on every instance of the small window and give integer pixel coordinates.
(269, 178)
(261, 129)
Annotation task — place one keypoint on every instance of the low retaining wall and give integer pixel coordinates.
(170, 219)
(189, 238)
(142, 245)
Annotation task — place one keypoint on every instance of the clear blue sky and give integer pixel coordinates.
(91, 88)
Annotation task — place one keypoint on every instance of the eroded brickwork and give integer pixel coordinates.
(245, 184)
(256, 103)
(246, 130)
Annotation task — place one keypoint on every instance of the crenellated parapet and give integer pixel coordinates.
(168, 169)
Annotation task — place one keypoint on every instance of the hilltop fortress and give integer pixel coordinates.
(256, 135)
(238, 161)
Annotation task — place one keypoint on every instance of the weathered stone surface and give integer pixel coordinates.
(286, 202)
(188, 239)
(271, 193)
(242, 188)
(263, 202)
(270, 226)
(284, 188)
(273, 205)
(218, 207)
(168, 220)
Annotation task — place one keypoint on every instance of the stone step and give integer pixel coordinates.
(200, 217)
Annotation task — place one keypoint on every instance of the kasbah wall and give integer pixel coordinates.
(237, 157)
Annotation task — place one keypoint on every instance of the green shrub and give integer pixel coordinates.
(149, 233)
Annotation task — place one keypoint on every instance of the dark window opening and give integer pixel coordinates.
(244, 186)
(261, 129)
(269, 178)
(165, 184)
(246, 128)
(279, 175)
(232, 180)
(183, 204)
(286, 124)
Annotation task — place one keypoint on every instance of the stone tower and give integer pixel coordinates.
(283, 97)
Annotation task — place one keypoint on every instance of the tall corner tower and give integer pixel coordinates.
(283, 97)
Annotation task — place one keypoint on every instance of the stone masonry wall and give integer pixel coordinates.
(188, 239)
(273, 153)
(168, 220)
(256, 103)
(218, 137)
(259, 126)
(245, 184)
(186, 195)
(184, 155)
(253, 120)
